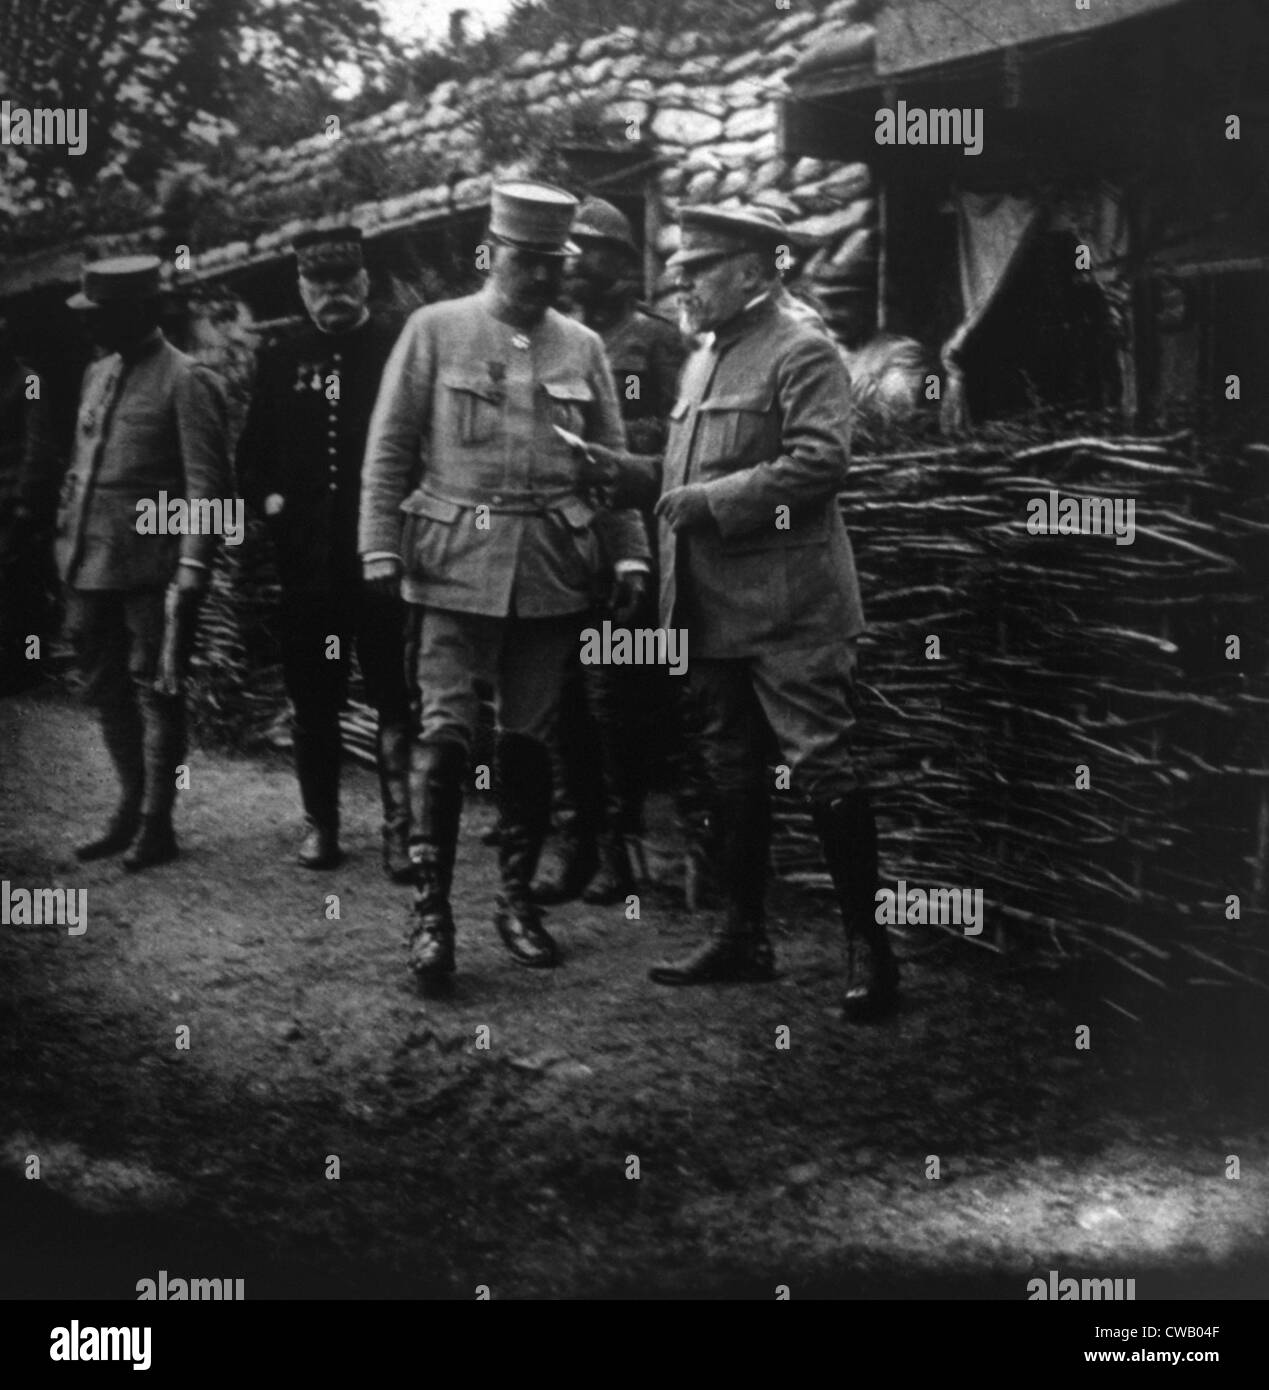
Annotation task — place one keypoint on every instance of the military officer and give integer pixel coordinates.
(151, 421)
(472, 504)
(598, 766)
(299, 463)
(757, 565)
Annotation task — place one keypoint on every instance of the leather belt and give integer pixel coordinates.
(515, 503)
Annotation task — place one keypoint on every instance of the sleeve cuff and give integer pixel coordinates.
(632, 567)
(380, 555)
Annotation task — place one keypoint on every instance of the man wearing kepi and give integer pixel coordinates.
(757, 565)
(151, 422)
(299, 464)
(472, 502)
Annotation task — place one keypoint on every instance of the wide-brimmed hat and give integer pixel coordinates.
(119, 280)
(329, 251)
(533, 217)
(710, 232)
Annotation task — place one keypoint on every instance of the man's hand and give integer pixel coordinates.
(600, 466)
(628, 593)
(382, 577)
(192, 581)
(686, 508)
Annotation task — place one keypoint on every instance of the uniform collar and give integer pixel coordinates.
(757, 311)
(144, 348)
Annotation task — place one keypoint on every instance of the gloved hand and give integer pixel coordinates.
(382, 577)
(628, 594)
(600, 466)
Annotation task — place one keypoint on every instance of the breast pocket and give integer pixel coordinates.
(736, 429)
(569, 403)
(472, 407)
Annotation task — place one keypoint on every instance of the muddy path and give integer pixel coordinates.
(509, 1164)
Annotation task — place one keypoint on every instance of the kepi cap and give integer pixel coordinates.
(533, 217)
(118, 280)
(329, 251)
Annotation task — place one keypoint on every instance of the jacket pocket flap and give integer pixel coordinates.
(423, 504)
(472, 383)
(746, 400)
(572, 390)
(575, 512)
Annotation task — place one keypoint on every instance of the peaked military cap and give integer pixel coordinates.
(710, 232)
(121, 279)
(533, 217)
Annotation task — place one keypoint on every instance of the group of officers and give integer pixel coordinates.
(457, 502)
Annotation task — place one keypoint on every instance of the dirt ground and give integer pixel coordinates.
(508, 1166)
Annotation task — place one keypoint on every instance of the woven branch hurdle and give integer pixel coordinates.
(1055, 652)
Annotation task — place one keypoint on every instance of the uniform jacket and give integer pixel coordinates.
(466, 480)
(763, 421)
(304, 438)
(646, 349)
(154, 422)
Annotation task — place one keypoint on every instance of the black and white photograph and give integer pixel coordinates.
(633, 665)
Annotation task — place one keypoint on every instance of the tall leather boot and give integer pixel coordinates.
(122, 731)
(738, 949)
(439, 771)
(610, 700)
(848, 838)
(392, 756)
(524, 799)
(163, 717)
(571, 857)
(317, 757)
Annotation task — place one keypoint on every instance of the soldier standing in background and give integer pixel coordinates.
(472, 505)
(299, 463)
(608, 712)
(151, 421)
(757, 565)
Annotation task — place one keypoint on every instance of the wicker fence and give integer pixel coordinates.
(1054, 653)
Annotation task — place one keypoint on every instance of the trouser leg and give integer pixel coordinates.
(97, 627)
(163, 719)
(533, 661)
(609, 693)
(573, 748)
(736, 738)
(809, 700)
(381, 652)
(314, 681)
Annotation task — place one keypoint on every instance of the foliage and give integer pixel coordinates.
(159, 83)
